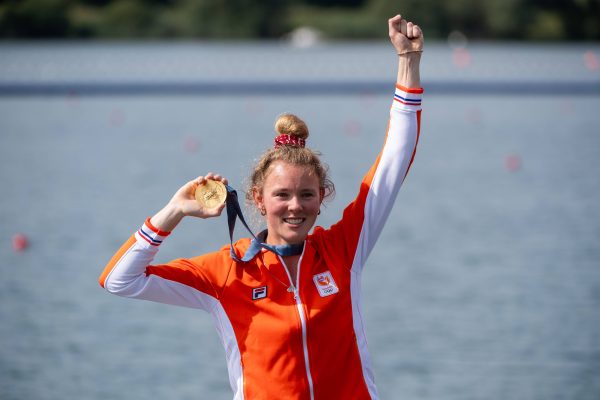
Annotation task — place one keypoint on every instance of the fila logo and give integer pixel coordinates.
(325, 284)
(259, 293)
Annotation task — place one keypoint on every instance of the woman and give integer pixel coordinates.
(291, 325)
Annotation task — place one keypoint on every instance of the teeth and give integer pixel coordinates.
(294, 220)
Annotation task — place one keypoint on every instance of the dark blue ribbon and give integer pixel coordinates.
(258, 242)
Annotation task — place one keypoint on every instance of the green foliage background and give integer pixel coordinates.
(248, 19)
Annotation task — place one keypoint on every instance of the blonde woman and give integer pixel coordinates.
(289, 315)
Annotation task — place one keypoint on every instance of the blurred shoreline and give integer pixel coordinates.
(277, 67)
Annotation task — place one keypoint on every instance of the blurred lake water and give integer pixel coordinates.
(485, 283)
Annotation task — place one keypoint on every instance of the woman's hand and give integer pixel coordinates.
(184, 199)
(407, 39)
(405, 36)
(184, 204)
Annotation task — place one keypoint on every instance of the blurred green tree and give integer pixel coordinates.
(34, 19)
(348, 19)
(126, 19)
(225, 19)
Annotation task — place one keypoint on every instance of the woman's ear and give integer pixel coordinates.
(258, 198)
(321, 195)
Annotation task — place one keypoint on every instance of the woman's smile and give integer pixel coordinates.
(294, 221)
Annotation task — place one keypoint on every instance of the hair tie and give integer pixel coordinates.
(289, 140)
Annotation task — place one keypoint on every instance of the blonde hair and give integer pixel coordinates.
(290, 124)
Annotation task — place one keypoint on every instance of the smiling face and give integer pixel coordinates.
(291, 198)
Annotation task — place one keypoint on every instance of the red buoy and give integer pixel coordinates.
(512, 162)
(461, 58)
(591, 61)
(20, 242)
(352, 128)
(191, 144)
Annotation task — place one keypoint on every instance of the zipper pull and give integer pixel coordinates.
(292, 289)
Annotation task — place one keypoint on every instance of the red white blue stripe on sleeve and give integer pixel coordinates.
(150, 235)
(408, 99)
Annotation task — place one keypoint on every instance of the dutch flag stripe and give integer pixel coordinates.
(407, 99)
(150, 236)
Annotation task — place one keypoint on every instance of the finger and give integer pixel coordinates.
(409, 30)
(417, 31)
(218, 177)
(403, 27)
(393, 24)
(189, 188)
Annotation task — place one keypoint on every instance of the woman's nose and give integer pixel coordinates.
(294, 204)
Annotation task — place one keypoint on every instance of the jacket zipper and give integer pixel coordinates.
(302, 315)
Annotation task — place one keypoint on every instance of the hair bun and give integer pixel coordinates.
(289, 124)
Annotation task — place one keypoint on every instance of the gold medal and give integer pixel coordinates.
(211, 194)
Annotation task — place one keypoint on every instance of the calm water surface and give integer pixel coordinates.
(485, 283)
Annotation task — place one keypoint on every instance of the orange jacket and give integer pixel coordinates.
(281, 341)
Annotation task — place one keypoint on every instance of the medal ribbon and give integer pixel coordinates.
(233, 212)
